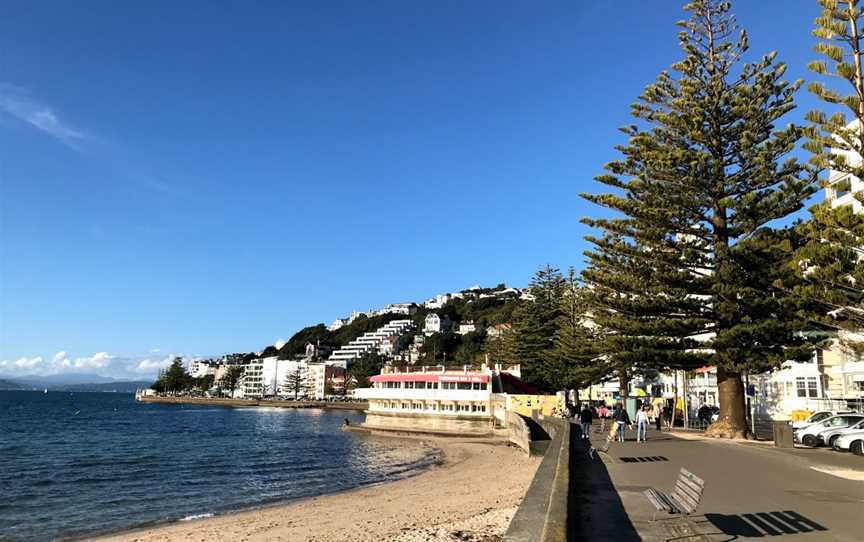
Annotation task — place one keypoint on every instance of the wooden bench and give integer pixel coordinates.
(683, 500)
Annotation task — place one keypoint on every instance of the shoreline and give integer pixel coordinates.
(251, 403)
(473, 486)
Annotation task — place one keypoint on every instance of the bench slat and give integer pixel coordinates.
(695, 488)
(692, 477)
(662, 501)
(686, 490)
(683, 505)
(652, 498)
(686, 500)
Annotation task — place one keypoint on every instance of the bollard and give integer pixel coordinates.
(783, 434)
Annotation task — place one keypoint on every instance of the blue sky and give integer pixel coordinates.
(197, 178)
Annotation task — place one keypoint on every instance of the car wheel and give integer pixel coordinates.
(857, 447)
(810, 440)
(832, 440)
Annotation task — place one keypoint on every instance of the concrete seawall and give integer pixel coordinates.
(246, 403)
(542, 515)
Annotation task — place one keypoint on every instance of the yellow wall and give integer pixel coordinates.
(544, 404)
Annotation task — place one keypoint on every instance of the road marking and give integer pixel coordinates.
(849, 474)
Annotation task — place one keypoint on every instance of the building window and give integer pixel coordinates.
(464, 386)
(807, 386)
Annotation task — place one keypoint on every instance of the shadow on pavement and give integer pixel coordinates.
(759, 524)
(595, 509)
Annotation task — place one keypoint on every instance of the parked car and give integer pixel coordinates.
(828, 436)
(819, 416)
(808, 435)
(854, 442)
(708, 414)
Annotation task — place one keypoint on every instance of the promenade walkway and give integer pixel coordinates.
(753, 491)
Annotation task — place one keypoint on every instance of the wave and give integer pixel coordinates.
(196, 516)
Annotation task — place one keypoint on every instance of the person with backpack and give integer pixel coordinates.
(623, 420)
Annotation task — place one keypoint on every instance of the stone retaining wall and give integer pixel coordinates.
(254, 403)
(424, 423)
(542, 515)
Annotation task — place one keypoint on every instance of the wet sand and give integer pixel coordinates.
(471, 496)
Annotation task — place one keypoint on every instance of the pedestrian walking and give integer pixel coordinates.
(585, 418)
(642, 425)
(603, 413)
(623, 420)
(658, 416)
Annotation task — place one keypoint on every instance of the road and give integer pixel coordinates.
(752, 491)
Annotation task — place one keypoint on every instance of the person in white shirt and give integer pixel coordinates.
(642, 425)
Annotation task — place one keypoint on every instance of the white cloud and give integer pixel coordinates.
(149, 366)
(17, 102)
(280, 343)
(28, 363)
(100, 363)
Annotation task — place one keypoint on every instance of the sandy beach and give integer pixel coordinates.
(471, 496)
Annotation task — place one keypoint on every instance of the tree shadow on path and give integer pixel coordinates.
(595, 508)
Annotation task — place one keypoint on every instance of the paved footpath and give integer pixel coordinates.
(752, 491)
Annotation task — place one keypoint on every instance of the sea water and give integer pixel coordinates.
(81, 464)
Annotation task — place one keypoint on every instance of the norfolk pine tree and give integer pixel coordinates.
(832, 240)
(573, 360)
(700, 180)
(534, 327)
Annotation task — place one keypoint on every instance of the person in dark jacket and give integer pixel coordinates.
(623, 420)
(585, 418)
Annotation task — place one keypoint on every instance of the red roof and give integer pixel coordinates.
(431, 377)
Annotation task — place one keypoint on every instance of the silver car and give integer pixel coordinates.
(808, 435)
(828, 436)
(853, 442)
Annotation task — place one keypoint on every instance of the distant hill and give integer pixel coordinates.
(116, 387)
(34, 381)
(9, 385)
(73, 382)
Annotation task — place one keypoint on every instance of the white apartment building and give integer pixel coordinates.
(267, 378)
(438, 301)
(369, 342)
(252, 382)
(200, 368)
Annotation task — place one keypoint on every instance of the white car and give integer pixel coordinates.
(828, 436)
(808, 435)
(854, 442)
(819, 416)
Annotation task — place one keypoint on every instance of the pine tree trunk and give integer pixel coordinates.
(732, 422)
(623, 385)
